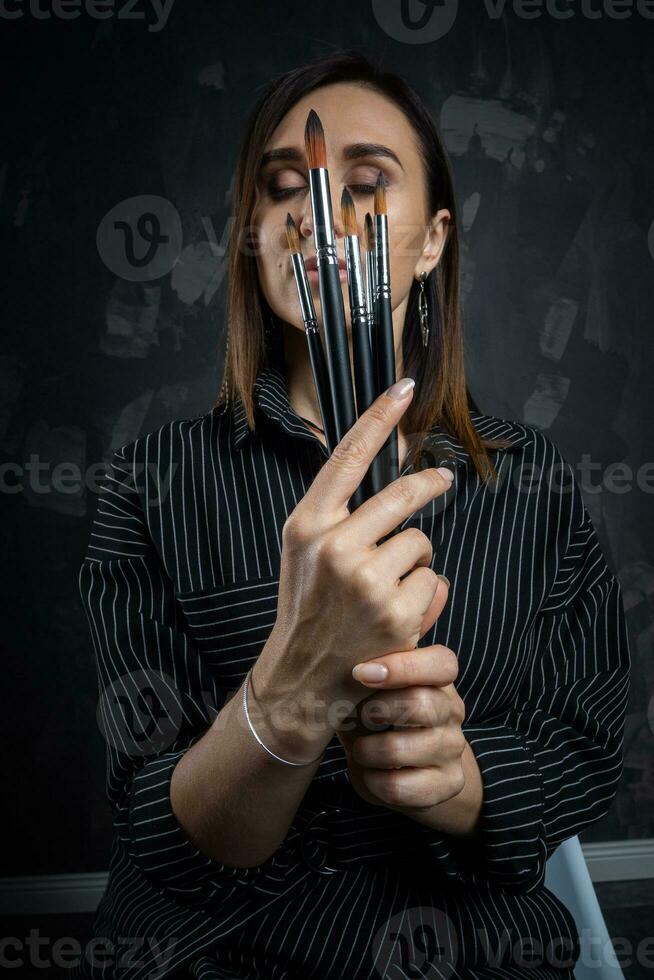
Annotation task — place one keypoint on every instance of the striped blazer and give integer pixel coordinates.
(179, 584)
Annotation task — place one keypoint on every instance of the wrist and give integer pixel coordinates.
(291, 722)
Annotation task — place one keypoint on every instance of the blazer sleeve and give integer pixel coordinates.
(551, 764)
(156, 698)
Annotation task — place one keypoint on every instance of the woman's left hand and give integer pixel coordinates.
(417, 764)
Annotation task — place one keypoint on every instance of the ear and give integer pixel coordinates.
(436, 236)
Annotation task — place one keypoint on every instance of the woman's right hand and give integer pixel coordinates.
(342, 598)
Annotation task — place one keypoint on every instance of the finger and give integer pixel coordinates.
(401, 553)
(417, 592)
(434, 665)
(426, 706)
(397, 749)
(418, 788)
(343, 471)
(423, 590)
(436, 605)
(381, 513)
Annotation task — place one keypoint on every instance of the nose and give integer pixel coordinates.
(306, 222)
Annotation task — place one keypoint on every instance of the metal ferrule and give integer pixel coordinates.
(370, 283)
(370, 290)
(355, 286)
(304, 293)
(323, 221)
(382, 264)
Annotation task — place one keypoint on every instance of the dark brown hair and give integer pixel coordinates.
(441, 394)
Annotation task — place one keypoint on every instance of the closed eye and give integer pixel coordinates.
(362, 188)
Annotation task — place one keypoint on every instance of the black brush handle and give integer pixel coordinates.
(389, 452)
(338, 355)
(365, 382)
(321, 381)
(364, 373)
(338, 358)
(386, 376)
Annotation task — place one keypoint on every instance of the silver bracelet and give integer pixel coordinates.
(247, 715)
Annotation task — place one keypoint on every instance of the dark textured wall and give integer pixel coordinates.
(549, 125)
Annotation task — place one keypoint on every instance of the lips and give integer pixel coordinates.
(311, 264)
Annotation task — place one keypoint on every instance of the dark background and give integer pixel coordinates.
(549, 126)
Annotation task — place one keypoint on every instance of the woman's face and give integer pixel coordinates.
(364, 133)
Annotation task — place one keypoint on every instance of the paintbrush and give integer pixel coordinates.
(364, 368)
(329, 282)
(314, 343)
(384, 344)
(370, 293)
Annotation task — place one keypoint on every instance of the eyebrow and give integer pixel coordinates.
(353, 151)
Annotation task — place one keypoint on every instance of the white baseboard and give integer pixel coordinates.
(620, 860)
(626, 860)
(48, 894)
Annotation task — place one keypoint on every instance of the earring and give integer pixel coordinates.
(423, 310)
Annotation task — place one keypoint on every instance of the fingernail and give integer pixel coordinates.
(443, 470)
(370, 672)
(445, 579)
(401, 388)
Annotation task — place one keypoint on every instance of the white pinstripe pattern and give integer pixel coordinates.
(186, 588)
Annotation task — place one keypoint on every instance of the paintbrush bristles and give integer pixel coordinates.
(380, 194)
(370, 233)
(348, 212)
(292, 234)
(314, 141)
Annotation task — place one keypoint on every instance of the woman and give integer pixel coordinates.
(277, 814)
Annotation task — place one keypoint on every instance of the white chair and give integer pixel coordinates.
(567, 876)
